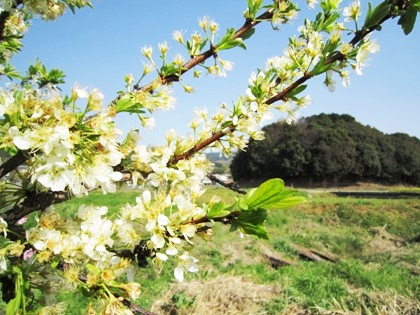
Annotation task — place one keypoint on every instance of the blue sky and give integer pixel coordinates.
(97, 47)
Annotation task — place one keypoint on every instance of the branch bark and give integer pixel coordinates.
(34, 201)
(13, 163)
(230, 185)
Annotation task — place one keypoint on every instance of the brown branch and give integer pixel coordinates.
(282, 96)
(198, 147)
(34, 201)
(337, 56)
(227, 219)
(12, 163)
(194, 61)
(231, 185)
(136, 309)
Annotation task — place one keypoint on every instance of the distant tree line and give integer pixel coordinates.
(330, 148)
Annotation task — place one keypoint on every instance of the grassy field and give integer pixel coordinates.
(375, 269)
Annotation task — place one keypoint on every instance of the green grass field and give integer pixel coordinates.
(376, 267)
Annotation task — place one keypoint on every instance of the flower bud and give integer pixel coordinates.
(177, 35)
(163, 47)
(147, 51)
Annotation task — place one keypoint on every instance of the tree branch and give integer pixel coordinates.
(34, 201)
(12, 163)
(230, 185)
(249, 24)
(200, 146)
(227, 219)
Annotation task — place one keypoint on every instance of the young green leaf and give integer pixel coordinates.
(321, 67)
(251, 222)
(297, 90)
(408, 19)
(270, 195)
(253, 7)
(228, 41)
(248, 34)
(127, 104)
(14, 306)
(266, 192)
(375, 16)
(217, 209)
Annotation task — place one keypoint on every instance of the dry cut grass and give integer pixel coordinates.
(227, 295)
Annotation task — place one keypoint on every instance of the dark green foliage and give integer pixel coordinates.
(330, 148)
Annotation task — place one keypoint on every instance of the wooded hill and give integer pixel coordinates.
(330, 148)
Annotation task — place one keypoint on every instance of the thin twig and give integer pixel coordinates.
(137, 309)
(231, 185)
(196, 60)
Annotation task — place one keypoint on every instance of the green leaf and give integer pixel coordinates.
(123, 103)
(39, 73)
(55, 261)
(297, 90)
(171, 68)
(228, 42)
(369, 12)
(251, 222)
(330, 21)
(217, 209)
(11, 72)
(93, 269)
(127, 104)
(330, 47)
(14, 305)
(375, 16)
(203, 44)
(321, 67)
(271, 195)
(265, 193)
(253, 7)
(248, 34)
(408, 19)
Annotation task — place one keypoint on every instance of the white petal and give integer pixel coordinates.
(22, 143)
(146, 197)
(171, 251)
(81, 93)
(163, 220)
(161, 256)
(116, 176)
(158, 240)
(179, 274)
(192, 267)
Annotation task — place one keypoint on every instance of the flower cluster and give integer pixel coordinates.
(67, 150)
(165, 219)
(71, 144)
(84, 246)
(92, 238)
